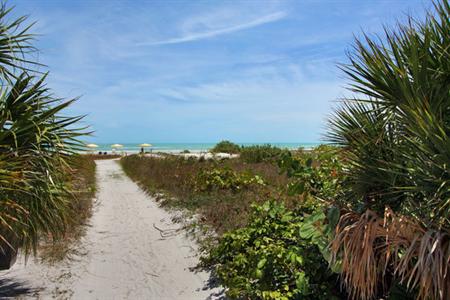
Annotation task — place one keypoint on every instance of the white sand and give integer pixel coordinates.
(122, 255)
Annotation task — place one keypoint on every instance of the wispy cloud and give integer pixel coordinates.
(226, 30)
(269, 76)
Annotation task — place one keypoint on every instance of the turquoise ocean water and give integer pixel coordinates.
(193, 147)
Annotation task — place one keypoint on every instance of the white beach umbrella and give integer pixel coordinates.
(116, 146)
(145, 145)
(91, 147)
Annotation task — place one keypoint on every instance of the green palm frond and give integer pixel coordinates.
(15, 45)
(36, 142)
(397, 127)
(395, 135)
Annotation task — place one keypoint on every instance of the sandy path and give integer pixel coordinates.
(122, 255)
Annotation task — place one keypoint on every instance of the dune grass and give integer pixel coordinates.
(220, 191)
(82, 184)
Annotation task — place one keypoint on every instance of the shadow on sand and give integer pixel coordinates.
(213, 283)
(15, 288)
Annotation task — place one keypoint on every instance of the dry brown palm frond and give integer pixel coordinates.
(355, 243)
(426, 265)
(372, 247)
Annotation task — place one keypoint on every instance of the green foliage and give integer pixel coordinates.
(35, 142)
(274, 257)
(226, 147)
(317, 173)
(225, 179)
(396, 127)
(264, 153)
(15, 44)
(81, 181)
(222, 209)
(395, 134)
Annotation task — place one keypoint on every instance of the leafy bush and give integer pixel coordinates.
(264, 153)
(274, 257)
(225, 179)
(226, 147)
(317, 173)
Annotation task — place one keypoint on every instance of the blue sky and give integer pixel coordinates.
(203, 71)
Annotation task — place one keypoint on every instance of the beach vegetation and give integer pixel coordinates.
(226, 147)
(309, 226)
(80, 180)
(273, 257)
(254, 229)
(317, 173)
(261, 153)
(395, 133)
(225, 179)
(181, 180)
(36, 142)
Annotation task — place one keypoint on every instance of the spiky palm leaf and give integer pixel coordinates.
(395, 132)
(15, 45)
(397, 128)
(35, 145)
(35, 142)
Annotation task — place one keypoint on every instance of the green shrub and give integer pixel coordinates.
(226, 147)
(264, 153)
(269, 259)
(318, 173)
(225, 179)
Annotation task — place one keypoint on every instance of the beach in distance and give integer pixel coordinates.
(191, 147)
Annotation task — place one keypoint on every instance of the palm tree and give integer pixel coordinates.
(395, 135)
(35, 145)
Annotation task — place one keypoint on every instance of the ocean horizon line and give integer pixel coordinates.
(239, 142)
(195, 146)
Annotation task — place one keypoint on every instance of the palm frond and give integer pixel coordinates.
(372, 248)
(15, 45)
(395, 132)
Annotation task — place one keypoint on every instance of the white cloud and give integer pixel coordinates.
(226, 30)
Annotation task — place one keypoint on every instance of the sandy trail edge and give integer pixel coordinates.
(122, 256)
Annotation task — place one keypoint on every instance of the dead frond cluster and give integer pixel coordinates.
(377, 250)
